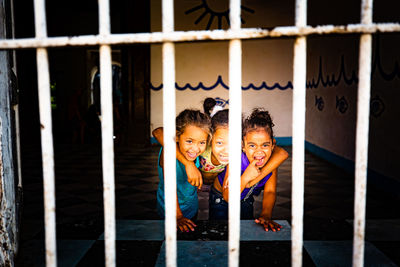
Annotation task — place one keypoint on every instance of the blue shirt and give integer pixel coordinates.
(187, 193)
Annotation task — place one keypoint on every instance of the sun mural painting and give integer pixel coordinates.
(215, 10)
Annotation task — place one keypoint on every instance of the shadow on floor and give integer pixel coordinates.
(328, 213)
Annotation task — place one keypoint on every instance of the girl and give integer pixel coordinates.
(215, 158)
(258, 146)
(192, 133)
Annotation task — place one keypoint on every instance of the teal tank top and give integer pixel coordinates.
(187, 193)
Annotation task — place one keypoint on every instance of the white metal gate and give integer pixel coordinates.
(168, 37)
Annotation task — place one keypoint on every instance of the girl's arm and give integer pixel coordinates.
(279, 155)
(193, 174)
(249, 174)
(269, 197)
(225, 185)
(183, 223)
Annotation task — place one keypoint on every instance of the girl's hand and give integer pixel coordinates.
(194, 175)
(268, 224)
(184, 224)
(250, 173)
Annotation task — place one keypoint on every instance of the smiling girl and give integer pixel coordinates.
(215, 158)
(258, 146)
(192, 136)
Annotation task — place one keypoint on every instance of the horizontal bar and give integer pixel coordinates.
(159, 37)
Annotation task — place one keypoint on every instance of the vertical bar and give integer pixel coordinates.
(107, 135)
(46, 136)
(364, 90)
(235, 134)
(17, 128)
(16, 107)
(299, 108)
(169, 133)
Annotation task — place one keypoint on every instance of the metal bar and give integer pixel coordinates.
(46, 136)
(47, 156)
(16, 107)
(363, 101)
(17, 129)
(40, 19)
(298, 132)
(235, 134)
(169, 151)
(107, 135)
(18, 144)
(169, 106)
(179, 36)
(107, 153)
(104, 18)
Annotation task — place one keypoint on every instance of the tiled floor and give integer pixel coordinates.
(328, 214)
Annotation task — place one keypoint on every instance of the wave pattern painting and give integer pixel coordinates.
(322, 79)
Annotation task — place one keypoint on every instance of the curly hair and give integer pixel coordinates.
(258, 119)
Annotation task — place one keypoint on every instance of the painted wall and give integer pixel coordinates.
(264, 61)
(332, 70)
(385, 109)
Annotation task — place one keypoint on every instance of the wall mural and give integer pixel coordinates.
(330, 80)
(215, 9)
(219, 81)
(322, 80)
(319, 103)
(377, 106)
(221, 102)
(341, 104)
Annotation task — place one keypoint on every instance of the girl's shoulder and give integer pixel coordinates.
(245, 161)
(206, 153)
(205, 156)
(206, 164)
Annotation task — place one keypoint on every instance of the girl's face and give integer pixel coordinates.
(192, 142)
(220, 145)
(258, 145)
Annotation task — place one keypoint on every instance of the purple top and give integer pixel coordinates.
(245, 163)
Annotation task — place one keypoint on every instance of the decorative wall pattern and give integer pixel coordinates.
(220, 82)
(324, 80)
(221, 102)
(204, 9)
(377, 106)
(319, 103)
(341, 104)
